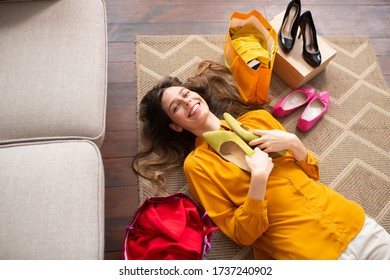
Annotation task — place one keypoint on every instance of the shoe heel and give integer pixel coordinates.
(311, 52)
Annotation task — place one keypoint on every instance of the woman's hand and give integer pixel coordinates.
(260, 163)
(260, 166)
(279, 140)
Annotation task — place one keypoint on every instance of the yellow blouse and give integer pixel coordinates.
(300, 218)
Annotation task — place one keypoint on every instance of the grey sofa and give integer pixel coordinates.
(53, 81)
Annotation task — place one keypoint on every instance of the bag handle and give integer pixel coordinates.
(225, 52)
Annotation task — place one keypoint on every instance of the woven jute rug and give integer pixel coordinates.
(351, 141)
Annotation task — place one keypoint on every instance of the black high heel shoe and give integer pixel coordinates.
(289, 27)
(311, 53)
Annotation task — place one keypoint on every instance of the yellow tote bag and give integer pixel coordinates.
(252, 84)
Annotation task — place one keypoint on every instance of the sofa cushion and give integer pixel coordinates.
(51, 201)
(53, 66)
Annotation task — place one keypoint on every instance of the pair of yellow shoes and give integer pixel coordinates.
(233, 146)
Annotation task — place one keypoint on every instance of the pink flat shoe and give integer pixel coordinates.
(316, 108)
(292, 101)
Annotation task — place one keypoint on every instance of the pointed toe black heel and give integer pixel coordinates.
(311, 53)
(289, 27)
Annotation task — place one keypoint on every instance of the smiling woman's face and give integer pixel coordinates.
(187, 109)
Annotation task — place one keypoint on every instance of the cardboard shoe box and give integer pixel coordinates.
(292, 68)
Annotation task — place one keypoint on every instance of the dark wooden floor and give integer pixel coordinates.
(127, 18)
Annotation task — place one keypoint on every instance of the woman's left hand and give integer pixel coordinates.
(279, 140)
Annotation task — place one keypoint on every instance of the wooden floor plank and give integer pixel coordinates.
(122, 51)
(119, 144)
(119, 172)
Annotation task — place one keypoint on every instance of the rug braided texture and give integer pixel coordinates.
(351, 142)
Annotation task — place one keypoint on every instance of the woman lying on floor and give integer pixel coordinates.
(274, 204)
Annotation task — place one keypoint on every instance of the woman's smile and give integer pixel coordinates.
(194, 109)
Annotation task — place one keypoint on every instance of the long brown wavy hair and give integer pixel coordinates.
(164, 149)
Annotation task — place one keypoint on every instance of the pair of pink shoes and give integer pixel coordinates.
(317, 105)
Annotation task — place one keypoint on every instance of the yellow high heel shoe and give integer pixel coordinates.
(245, 134)
(230, 146)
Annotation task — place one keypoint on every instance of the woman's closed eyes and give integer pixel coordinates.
(184, 93)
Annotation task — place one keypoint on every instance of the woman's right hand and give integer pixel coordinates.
(260, 165)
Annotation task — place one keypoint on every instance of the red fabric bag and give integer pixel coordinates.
(173, 227)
